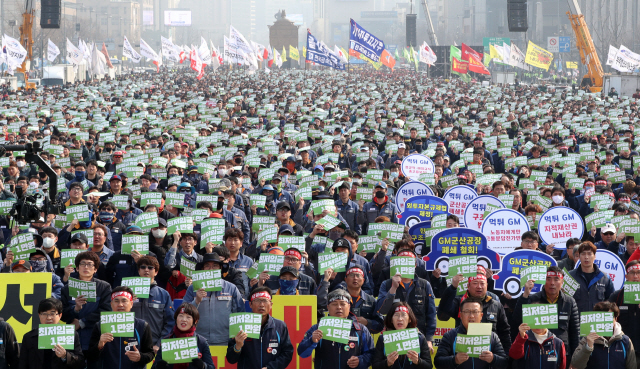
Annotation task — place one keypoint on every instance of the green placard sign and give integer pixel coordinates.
(180, 224)
(369, 244)
(68, 257)
(631, 292)
(257, 200)
(269, 234)
(210, 280)
(139, 285)
(212, 231)
(540, 315)
(137, 242)
(329, 222)
(334, 260)
(570, 285)
(249, 323)
(537, 273)
(50, 335)
(175, 199)
(472, 345)
(401, 341)
(146, 221)
(79, 288)
(80, 212)
(270, 263)
(121, 201)
(335, 329)
(467, 265)
(403, 265)
(22, 245)
(287, 242)
(260, 222)
(600, 322)
(388, 230)
(119, 324)
(187, 267)
(179, 350)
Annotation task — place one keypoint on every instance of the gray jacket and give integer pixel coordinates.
(157, 310)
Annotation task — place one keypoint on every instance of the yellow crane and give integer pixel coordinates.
(594, 79)
(26, 39)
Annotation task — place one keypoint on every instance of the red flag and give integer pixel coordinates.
(459, 66)
(269, 56)
(106, 54)
(196, 64)
(474, 59)
(387, 59)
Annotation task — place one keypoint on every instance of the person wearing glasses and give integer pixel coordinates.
(628, 317)
(157, 309)
(273, 349)
(76, 310)
(50, 312)
(446, 356)
(529, 241)
(551, 293)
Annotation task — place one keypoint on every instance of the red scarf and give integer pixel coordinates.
(177, 333)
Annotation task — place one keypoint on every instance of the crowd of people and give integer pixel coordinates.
(303, 140)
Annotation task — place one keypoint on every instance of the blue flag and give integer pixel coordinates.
(365, 43)
(320, 54)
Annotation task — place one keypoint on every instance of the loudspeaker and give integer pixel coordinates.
(411, 30)
(50, 14)
(517, 16)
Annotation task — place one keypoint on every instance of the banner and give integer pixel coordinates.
(512, 264)
(231, 52)
(106, 55)
(408, 190)
(421, 209)
(538, 57)
(572, 65)
(196, 64)
(147, 51)
(460, 242)
(540, 315)
(626, 61)
(458, 66)
(204, 53)
(558, 224)
(600, 322)
(474, 212)
(457, 199)
(401, 341)
(613, 51)
(365, 43)
(319, 54)
(20, 294)
(169, 50)
(74, 55)
(415, 164)
(474, 59)
(504, 229)
(387, 59)
(129, 52)
(52, 51)
(517, 58)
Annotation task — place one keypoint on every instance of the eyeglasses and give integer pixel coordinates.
(291, 259)
(145, 267)
(87, 265)
(529, 241)
(260, 301)
(471, 312)
(48, 314)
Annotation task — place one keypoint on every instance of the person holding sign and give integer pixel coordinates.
(401, 320)
(551, 293)
(306, 285)
(57, 357)
(447, 357)
(416, 292)
(330, 354)
(492, 309)
(595, 351)
(629, 311)
(272, 349)
(77, 310)
(381, 205)
(537, 349)
(186, 320)
(215, 307)
(595, 286)
(133, 351)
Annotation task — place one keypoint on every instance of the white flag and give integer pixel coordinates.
(232, 54)
(74, 55)
(52, 51)
(238, 39)
(129, 52)
(98, 61)
(340, 54)
(203, 52)
(612, 55)
(626, 61)
(427, 55)
(15, 53)
(148, 52)
(517, 58)
(277, 58)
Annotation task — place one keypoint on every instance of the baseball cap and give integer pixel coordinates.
(80, 237)
(341, 242)
(380, 184)
(401, 146)
(133, 229)
(115, 177)
(289, 269)
(162, 222)
(609, 227)
(286, 228)
(23, 263)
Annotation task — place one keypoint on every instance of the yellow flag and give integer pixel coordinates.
(284, 54)
(538, 57)
(487, 60)
(345, 53)
(493, 53)
(294, 53)
(572, 65)
(304, 51)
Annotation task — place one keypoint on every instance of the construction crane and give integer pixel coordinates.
(430, 29)
(594, 79)
(26, 39)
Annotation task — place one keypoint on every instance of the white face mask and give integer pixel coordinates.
(437, 131)
(159, 233)
(222, 172)
(20, 164)
(557, 199)
(48, 242)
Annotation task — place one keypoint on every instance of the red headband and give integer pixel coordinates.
(554, 274)
(402, 309)
(181, 311)
(588, 183)
(355, 270)
(633, 267)
(611, 194)
(478, 278)
(407, 253)
(601, 182)
(122, 293)
(462, 177)
(293, 252)
(260, 294)
(481, 270)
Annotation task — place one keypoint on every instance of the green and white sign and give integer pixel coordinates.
(403, 265)
(269, 234)
(121, 201)
(540, 315)
(467, 265)
(329, 222)
(631, 292)
(68, 257)
(139, 285)
(80, 212)
(388, 230)
(257, 200)
(401, 341)
(334, 260)
(79, 288)
(287, 242)
(119, 324)
(537, 273)
(210, 280)
(369, 244)
(50, 335)
(137, 242)
(600, 322)
(335, 329)
(179, 350)
(212, 231)
(249, 323)
(472, 345)
(154, 198)
(22, 245)
(271, 263)
(180, 224)
(146, 221)
(261, 222)
(187, 267)
(570, 285)
(175, 199)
